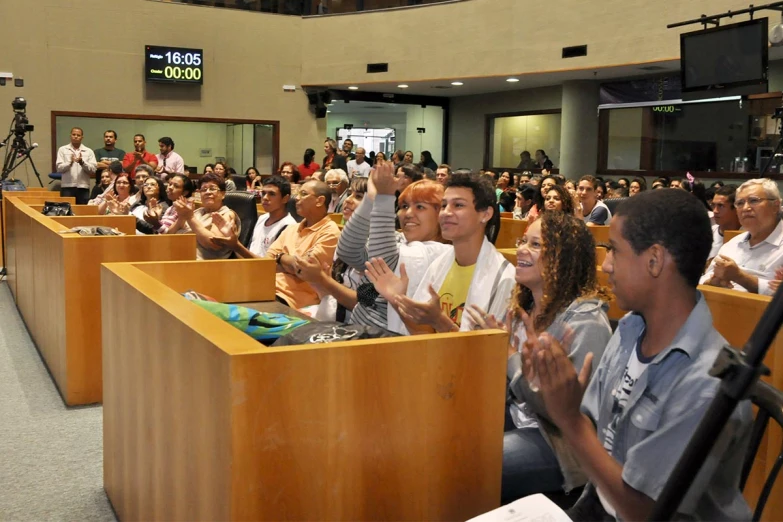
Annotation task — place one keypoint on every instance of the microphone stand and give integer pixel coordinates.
(738, 371)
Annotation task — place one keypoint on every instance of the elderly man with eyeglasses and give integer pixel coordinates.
(748, 262)
(337, 181)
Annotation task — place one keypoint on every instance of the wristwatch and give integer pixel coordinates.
(278, 258)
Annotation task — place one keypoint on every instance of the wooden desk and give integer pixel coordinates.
(55, 281)
(207, 424)
(28, 197)
(78, 210)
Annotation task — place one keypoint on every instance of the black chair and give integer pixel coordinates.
(770, 404)
(612, 204)
(244, 204)
(239, 181)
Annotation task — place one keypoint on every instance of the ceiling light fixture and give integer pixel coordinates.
(457, 83)
(512, 80)
(403, 86)
(353, 88)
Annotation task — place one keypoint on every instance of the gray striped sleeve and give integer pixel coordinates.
(352, 245)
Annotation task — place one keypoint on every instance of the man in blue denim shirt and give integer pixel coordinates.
(651, 388)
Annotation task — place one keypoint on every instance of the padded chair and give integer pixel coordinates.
(770, 404)
(612, 204)
(239, 181)
(244, 204)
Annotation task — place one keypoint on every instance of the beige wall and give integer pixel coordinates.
(500, 37)
(87, 55)
(466, 126)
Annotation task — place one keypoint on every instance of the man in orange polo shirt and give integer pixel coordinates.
(315, 237)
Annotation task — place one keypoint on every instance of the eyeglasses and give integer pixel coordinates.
(753, 201)
(333, 183)
(210, 189)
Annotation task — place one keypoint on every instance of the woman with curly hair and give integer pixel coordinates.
(558, 198)
(558, 293)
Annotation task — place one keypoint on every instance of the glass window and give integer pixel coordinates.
(509, 136)
(720, 136)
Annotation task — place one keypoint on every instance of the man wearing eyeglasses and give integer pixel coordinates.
(747, 263)
(337, 181)
(315, 238)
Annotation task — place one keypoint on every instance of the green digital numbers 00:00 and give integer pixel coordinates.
(178, 73)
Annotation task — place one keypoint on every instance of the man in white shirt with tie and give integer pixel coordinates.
(169, 162)
(748, 262)
(76, 163)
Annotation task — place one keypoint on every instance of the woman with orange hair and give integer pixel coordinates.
(420, 242)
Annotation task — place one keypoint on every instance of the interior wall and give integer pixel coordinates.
(501, 37)
(70, 62)
(467, 122)
(431, 119)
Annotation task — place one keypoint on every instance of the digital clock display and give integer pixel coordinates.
(174, 64)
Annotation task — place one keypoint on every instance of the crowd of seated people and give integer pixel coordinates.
(415, 256)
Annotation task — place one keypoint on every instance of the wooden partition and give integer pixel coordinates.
(728, 235)
(32, 198)
(204, 423)
(55, 280)
(600, 233)
(336, 217)
(510, 231)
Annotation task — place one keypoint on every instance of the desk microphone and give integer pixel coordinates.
(26, 151)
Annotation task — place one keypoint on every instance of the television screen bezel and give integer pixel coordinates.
(149, 48)
(717, 88)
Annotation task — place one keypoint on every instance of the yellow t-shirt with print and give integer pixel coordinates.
(454, 291)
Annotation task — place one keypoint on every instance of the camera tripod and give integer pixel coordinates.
(18, 152)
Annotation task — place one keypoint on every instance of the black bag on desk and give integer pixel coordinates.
(57, 208)
(331, 332)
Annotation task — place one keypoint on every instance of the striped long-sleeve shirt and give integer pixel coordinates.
(371, 233)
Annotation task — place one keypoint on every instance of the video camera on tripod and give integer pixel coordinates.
(21, 124)
(18, 149)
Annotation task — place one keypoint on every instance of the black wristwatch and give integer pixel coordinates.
(278, 258)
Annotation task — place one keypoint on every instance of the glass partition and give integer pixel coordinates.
(240, 145)
(725, 136)
(509, 136)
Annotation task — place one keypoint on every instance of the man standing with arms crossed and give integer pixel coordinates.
(109, 153)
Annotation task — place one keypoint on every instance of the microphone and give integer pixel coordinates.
(27, 151)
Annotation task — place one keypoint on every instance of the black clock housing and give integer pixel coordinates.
(173, 64)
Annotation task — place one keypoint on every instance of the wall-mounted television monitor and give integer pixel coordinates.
(173, 64)
(724, 61)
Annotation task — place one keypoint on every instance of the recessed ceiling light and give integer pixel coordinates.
(457, 83)
(402, 86)
(512, 80)
(328, 111)
(353, 88)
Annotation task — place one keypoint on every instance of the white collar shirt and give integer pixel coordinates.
(760, 260)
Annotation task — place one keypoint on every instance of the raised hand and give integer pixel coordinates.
(382, 177)
(560, 385)
(385, 281)
(224, 226)
(184, 208)
(309, 269)
(427, 312)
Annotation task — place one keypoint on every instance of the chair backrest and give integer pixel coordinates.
(612, 204)
(770, 405)
(239, 181)
(244, 204)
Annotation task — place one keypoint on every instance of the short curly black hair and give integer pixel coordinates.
(483, 190)
(673, 219)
